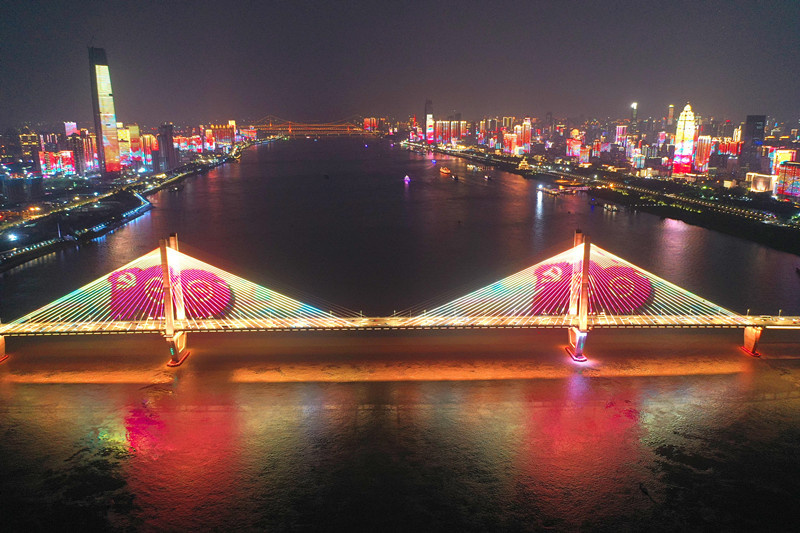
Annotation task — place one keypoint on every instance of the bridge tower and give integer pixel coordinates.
(173, 309)
(752, 334)
(579, 299)
(3, 355)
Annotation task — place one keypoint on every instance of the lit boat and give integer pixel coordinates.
(524, 165)
(407, 179)
(446, 171)
(609, 207)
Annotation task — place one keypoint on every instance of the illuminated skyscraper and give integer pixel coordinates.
(702, 154)
(684, 142)
(670, 115)
(29, 143)
(105, 119)
(124, 142)
(429, 125)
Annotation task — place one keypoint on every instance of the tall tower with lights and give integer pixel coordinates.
(684, 142)
(105, 119)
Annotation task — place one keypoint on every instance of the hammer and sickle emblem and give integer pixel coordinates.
(552, 274)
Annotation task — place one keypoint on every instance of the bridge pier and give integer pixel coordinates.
(3, 355)
(177, 348)
(176, 340)
(579, 298)
(577, 340)
(752, 334)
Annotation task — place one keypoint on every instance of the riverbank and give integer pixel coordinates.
(779, 237)
(92, 226)
(113, 219)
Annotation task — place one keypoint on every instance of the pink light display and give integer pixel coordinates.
(615, 289)
(137, 293)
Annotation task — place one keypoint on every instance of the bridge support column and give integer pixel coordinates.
(579, 298)
(577, 340)
(752, 334)
(3, 355)
(177, 348)
(176, 340)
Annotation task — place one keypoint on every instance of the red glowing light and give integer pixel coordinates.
(613, 289)
(137, 293)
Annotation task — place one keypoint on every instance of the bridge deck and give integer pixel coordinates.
(393, 323)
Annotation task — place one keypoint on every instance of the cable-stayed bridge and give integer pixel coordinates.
(170, 293)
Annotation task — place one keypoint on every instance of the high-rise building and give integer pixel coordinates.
(753, 140)
(429, 124)
(124, 141)
(105, 119)
(79, 154)
(684, 142)
(670, 115)
(136, 145)
(28, 143)
(167, 153)
(702, 153)
(150, 152)
(634, 117)
(788, 183)
(70, 128)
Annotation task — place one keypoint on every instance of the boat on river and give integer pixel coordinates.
(445, 171)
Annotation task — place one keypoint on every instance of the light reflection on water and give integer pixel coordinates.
(468, 431)
(598, 445)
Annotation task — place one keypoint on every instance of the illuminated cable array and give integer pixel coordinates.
(619, 294)
(216, 299)
(131, 299)
(206, 298)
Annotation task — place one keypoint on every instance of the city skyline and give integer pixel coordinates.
(313, 61)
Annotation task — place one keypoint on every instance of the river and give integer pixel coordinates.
(450, 430)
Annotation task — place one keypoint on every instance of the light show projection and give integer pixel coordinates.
(206, 298)
(619, 293)
(131, 299)
(108, 118)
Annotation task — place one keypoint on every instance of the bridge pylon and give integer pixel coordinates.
(176, 340)
(752, 334)
(579, 298)
(3, 355)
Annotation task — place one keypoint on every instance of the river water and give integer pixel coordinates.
(472, 430)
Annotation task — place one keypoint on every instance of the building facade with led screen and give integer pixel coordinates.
(684, 142)
(105, 119)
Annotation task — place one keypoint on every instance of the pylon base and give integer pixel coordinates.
(750, 353)
(577, 357)
(179, 362)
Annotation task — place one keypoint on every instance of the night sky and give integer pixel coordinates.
(187, 61)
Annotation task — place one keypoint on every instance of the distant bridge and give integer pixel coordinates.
(272, 125)
(169, 293)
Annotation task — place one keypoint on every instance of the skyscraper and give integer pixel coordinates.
(670, 115)
(166, 145)
(753, 140)
(684, 142)
(429, 125)
(702, 154)
(105, 119)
